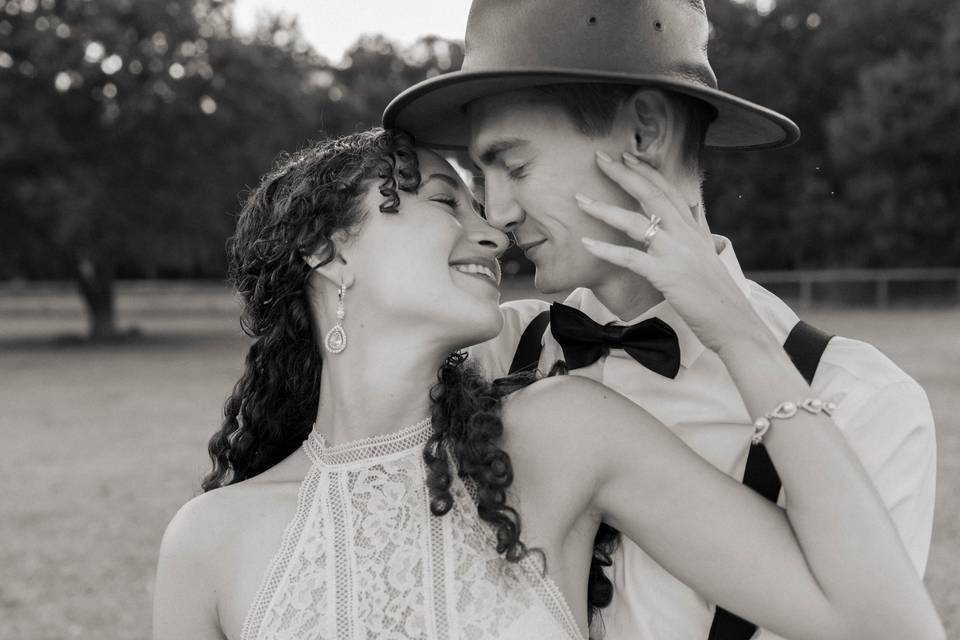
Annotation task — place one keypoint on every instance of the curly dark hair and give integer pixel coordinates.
(297, 208)
(294, 212)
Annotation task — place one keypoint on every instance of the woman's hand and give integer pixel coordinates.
(680, 260)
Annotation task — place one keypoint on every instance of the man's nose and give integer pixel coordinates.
(502, 210)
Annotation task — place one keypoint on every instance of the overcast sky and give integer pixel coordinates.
(333, 25)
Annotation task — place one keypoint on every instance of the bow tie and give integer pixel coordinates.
(652, 342)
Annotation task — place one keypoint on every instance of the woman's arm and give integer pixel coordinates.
(184, 603)
(832, 564)
(829, 566)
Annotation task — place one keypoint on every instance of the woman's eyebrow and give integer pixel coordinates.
(442, 177)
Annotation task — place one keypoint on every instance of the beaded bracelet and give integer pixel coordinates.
(787, 410)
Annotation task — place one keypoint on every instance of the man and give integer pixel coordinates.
(545, 85)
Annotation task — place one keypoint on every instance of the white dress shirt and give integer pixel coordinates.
(882, 411)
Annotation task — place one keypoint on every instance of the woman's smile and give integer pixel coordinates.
(482, 268)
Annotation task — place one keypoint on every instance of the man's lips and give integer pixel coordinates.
(528, 246)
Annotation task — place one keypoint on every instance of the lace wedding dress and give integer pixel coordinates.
(363, 558)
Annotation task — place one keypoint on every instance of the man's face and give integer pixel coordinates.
(533, 161)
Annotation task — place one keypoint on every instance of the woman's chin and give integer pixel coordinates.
(479, 327)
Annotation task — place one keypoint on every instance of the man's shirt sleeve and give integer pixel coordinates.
(889, 425)
(893, 434)
(494, 356)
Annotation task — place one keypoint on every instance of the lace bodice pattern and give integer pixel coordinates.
(363, 558)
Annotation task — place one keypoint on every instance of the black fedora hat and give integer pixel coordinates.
(518, 44)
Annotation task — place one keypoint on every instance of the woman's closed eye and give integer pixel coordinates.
(447, 200)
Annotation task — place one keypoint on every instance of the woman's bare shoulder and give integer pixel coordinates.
(203, 523)
(567, 415)
(565, 403)
(204, 526)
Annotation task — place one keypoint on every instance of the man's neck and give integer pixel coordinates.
(627, 295)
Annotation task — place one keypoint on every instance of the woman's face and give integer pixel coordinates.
(430, 269)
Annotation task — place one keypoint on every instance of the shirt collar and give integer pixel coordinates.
(690, 346)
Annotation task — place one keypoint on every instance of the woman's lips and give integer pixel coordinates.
(476, 270)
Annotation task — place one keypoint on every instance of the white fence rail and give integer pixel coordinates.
(803, 287)
(880, 279)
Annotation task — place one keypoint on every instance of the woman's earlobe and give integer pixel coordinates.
(347, 277)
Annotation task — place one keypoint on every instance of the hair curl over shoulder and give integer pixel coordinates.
(467, 427)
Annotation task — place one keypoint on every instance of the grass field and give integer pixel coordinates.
(100, 445)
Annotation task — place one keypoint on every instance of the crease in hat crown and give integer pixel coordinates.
(518, 44)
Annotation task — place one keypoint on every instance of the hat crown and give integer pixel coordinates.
(519, 44)
(665, 38)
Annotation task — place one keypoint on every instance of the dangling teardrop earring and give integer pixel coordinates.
(336, 340)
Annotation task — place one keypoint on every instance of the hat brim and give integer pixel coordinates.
(434, 111)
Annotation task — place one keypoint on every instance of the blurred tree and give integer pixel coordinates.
(801, 57)
(128, 129)
(896, 143)
(95, 92)
(374, 70)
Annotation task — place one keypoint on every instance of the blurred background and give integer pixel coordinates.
(130, 130)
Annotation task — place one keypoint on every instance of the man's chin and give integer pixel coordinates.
(546, 284)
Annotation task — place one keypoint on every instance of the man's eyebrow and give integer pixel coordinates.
(442, 177)
(490, 155)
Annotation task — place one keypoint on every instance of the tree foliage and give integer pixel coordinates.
(129, 129)
(809, 205)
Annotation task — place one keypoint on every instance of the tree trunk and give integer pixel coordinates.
(96, 286)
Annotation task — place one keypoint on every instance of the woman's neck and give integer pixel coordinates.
(367, 391)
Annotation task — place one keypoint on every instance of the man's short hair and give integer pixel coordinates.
(593, 106)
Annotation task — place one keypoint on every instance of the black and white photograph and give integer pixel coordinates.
(479, 320)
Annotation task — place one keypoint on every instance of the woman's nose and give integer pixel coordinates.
(488, 237)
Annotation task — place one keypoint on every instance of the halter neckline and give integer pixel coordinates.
(366, 449)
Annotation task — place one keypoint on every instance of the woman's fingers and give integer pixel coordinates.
(660, 182)
(653, 200)
(626, 257)
(632, 223)
(635, 225)
(688, 214)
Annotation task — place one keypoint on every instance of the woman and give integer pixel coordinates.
(366, 259)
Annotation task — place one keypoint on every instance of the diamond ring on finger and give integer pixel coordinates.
(651, 232)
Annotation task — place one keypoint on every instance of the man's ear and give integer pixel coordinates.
(652, 125)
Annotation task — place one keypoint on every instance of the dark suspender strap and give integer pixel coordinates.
(805, 346)
(531, 344)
